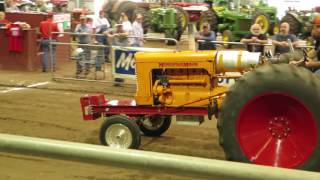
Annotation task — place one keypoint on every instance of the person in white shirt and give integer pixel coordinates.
(100, 25)
(126, 25)
(137, 30)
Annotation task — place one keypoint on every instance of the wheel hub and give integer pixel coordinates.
(279, 127)
(276, 129)
(118, 136)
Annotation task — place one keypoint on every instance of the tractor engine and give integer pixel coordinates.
(186, 78)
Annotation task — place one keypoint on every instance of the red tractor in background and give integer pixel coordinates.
(193, 10)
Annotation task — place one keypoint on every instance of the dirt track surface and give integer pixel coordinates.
(52, 110)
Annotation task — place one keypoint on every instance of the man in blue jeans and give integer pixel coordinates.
(100, 25)
(46, 29)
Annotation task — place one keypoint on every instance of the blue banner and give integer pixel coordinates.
(124, 62)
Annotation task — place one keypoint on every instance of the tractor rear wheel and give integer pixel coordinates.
(184, 16)
(175, 33)
(227, 37)
(295, 25)
(120, 132)
(209, 17)
(263, 20)
(274, 28)
(155, 126)
(127, 7)
(271, 117)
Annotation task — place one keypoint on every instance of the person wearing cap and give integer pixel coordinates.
(118, 36)
(205, 37)
(313, 59)
(46, 28)
(83, 33)
(137, 30)
(255, 39)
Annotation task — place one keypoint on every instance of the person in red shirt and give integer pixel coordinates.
(3, 21)
(46, 29)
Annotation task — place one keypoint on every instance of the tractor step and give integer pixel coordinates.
(189, 120)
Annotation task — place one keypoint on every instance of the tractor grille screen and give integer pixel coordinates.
(244, 25)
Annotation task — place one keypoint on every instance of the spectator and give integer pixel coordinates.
(3, 21)
(40, 6)
(281, 40)
(118, 35)
(126, 24)
(83, 38)
(256, 38)
(11, 6)
(205, 37)
(100, 25)
(137, 30)
(313, 60)
(46, 29)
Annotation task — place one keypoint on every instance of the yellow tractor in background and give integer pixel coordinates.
(270, 116)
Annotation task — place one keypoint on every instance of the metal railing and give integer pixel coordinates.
(147, 161)
(93, 45)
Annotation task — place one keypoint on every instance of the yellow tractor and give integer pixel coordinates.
(270, 116)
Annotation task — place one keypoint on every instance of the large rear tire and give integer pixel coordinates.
(184, 16)
(295, 25)
(271, 117)
(263, 20)
(209, 17)
(175, 33)
(127, 7)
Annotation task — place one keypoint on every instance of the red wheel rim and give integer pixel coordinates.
(276, 129)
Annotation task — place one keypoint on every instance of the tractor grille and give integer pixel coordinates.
(244, 24)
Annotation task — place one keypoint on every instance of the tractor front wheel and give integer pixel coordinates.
(271, 117)
(120, 132)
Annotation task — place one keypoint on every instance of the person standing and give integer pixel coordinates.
(46, 29)
(137, 30)
(83, 30)
(255, 39)
(100, 25)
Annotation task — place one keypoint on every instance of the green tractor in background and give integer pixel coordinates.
(161, 18)
(168, 20)
(234, 18)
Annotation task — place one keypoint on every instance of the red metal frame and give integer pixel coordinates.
(94, 106)
(276, 129)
